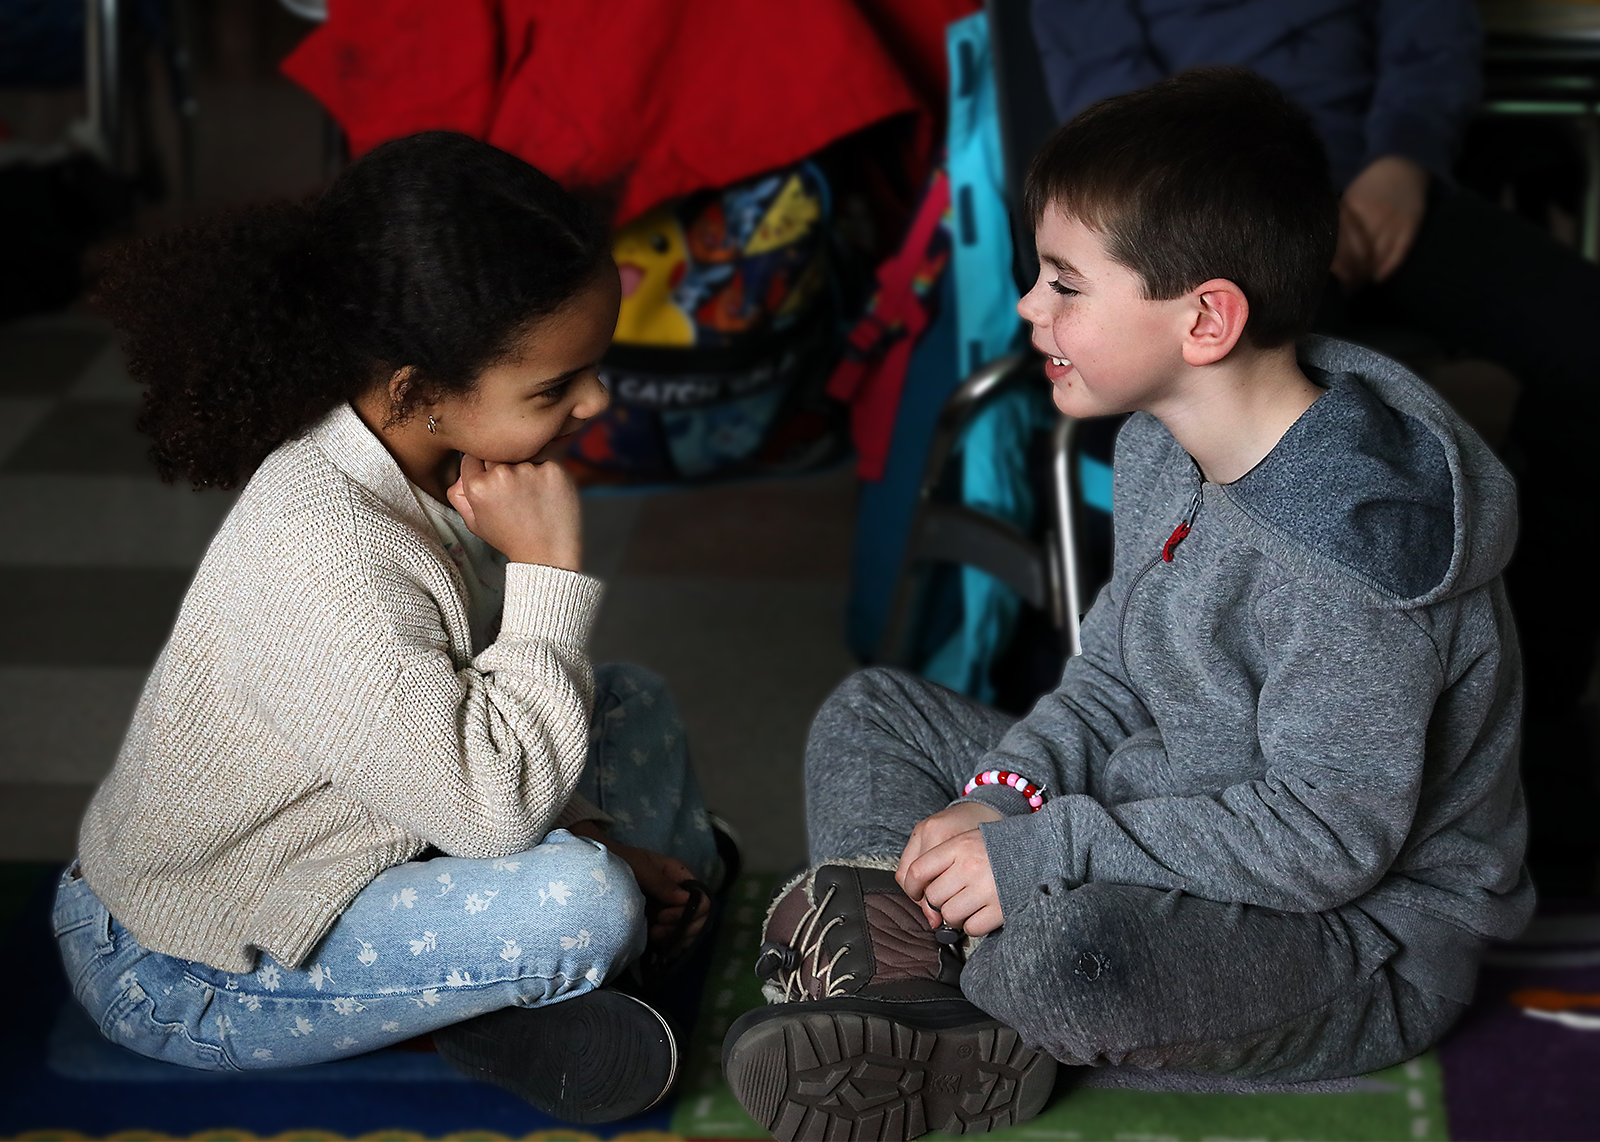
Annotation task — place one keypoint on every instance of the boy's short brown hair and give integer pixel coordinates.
(1213, 173)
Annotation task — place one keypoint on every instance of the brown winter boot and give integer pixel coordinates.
(866, 1034)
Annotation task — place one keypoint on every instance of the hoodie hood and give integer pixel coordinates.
(1382, 483)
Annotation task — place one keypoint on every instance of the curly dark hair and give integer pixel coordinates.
(433, 252)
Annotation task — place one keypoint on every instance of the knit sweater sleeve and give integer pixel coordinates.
(355, 657)
(480, 759)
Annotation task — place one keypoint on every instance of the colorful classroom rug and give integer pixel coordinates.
(1524, 1064)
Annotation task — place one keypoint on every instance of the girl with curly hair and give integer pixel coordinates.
(373, 787)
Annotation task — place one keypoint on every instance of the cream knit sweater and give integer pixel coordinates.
(318, 716)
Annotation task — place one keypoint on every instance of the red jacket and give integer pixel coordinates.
(649, 99)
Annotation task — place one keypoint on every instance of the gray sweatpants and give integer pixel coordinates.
(1114, 973)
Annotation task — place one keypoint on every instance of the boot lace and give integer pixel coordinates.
(808, 941)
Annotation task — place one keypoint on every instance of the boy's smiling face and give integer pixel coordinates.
(1109, 348)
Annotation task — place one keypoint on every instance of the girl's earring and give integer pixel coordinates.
(433, 427)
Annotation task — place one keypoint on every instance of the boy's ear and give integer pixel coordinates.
(1217, 321)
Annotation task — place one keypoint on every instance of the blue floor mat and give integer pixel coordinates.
(60, 1080)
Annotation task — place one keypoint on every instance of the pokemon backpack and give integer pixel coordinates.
(724, 330)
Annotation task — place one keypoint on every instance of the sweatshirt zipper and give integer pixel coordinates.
(1179, 534)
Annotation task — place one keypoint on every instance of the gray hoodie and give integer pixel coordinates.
(1317, 701)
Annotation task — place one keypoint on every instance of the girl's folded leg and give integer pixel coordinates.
(425, 945)
(638, 770)
(139, 999)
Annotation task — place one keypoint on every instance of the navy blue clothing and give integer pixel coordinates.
(1378, 77)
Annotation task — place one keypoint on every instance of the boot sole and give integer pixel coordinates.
(597, 1058)
(853, 1069)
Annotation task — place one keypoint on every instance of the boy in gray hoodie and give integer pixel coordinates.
(1271, 816)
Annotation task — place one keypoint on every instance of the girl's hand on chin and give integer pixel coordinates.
(529, 511)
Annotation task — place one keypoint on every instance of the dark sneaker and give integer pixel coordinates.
(867, 1035)
(596, 1058)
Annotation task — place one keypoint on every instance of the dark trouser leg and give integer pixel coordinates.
(886, 750)
(1109, 973)
(1488, 282)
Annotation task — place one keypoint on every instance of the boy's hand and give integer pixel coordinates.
(945, 869)
(529, 511)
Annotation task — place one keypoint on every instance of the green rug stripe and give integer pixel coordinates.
(1407, 1104)
(706, 1107)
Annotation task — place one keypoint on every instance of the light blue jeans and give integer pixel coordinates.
(426, 944)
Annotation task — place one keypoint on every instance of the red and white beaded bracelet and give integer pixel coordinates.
(1034, 793)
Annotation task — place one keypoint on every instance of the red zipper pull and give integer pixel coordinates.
(1181, 532)
(1178, 535)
